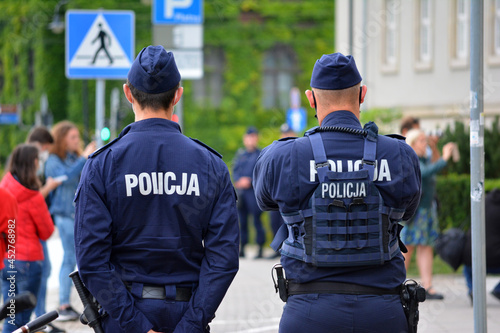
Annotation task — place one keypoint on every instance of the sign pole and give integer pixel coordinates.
(99, 110)
(477, 167)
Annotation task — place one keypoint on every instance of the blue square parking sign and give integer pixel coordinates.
(178, 11)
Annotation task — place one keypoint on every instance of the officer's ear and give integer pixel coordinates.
(178, 95)
(310, 98)
(362, 94)
(128, 93)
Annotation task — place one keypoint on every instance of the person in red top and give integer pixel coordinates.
(8, 215)
(23, 268)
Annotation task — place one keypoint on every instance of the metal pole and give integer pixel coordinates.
(113, 117)
(85, 107)
(477, 167)
(364, 47)
(99, 110)
(178, 110)
(351, 26)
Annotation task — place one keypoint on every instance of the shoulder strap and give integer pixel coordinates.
(103, 148)
(213, 151)
(370, 148)
(319, 153)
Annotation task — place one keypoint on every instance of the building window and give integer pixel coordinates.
(277, 79)
(425, 47)
(208, 90)
(496, 29)
(390, 37)
(1, 75)
(460, 34)
(31, 69)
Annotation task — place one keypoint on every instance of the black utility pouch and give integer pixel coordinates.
(280, 283)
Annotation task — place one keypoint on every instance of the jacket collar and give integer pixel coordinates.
(152, 124)
(341, 118)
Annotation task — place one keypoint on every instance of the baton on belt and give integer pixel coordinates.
(90, 315)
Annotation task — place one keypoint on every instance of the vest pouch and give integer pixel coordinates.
(308, 236)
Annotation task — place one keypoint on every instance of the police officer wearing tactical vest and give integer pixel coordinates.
(341, 190)
(156, 230)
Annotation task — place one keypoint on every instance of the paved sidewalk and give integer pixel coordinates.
(251, 306)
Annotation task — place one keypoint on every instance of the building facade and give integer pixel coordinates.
(414, 56)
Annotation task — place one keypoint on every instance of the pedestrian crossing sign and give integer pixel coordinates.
(99, 44)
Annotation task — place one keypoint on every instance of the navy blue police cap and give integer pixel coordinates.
(154, 71)
(252, 130)
(335, 72)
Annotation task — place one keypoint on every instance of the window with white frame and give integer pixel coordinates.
(390, 57)
(462, 30)
(496, 29)
(208, 90)
(425, 30)
(277, 79)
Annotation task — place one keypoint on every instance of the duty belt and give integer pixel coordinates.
(182, 294)
(324, 287)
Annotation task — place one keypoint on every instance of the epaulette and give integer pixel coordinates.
(208, 147)
(103, 148)
(288, 138)
(311, 131)
(396, 136)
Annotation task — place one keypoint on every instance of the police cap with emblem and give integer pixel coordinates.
(335, 72)
(252, 130)
(154, 71)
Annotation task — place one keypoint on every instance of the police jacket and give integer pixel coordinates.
(285, 177)
(243, 163)
(157, 208)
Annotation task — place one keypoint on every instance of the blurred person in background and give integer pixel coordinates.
(32, 225)
(492, 225)
(243, 165)
(8, 214)
(41, 137)
(423, 229)
(65, 162)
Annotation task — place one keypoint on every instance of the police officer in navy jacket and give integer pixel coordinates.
(340, 293)
(156, 230)
(243, 165)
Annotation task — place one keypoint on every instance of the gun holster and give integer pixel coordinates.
(280, 283)
(412, 293)
(90, 315)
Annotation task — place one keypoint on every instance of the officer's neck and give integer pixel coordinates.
(148, 113)
(322, 113)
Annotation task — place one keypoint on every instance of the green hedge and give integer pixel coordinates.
(453, 194)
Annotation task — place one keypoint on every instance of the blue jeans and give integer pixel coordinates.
(46, 268)
(66, 227)
(326, 313)
(489, 270)
(25, 277)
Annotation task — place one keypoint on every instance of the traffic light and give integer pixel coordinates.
(105, 134)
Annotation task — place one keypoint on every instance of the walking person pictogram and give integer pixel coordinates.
(102, 35)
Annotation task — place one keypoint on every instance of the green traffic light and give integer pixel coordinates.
(105, 134)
